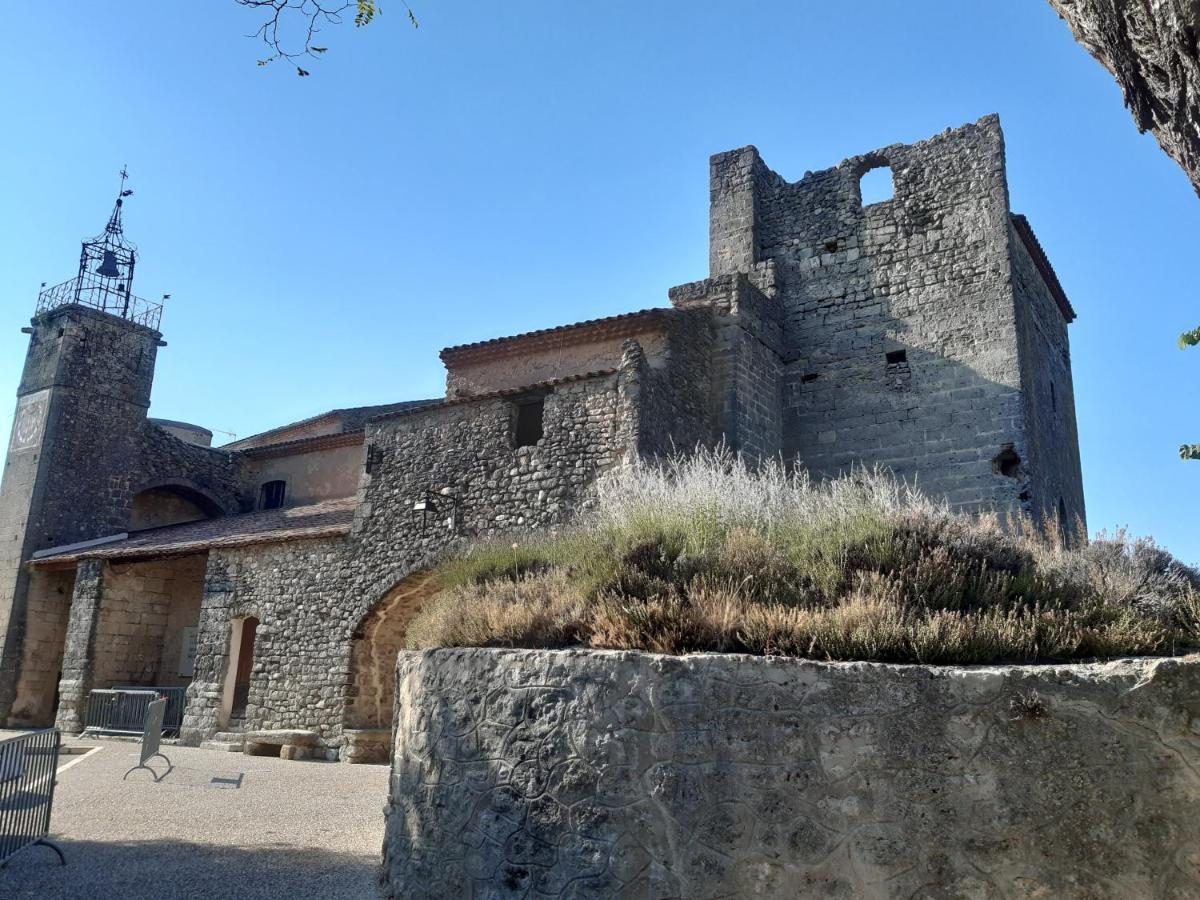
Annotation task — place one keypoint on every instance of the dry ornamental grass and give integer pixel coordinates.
(704, 553)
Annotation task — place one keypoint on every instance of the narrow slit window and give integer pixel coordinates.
(272, 494)
(877, 186)
(529, 422)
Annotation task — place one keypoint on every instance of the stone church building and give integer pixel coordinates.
(272, 577)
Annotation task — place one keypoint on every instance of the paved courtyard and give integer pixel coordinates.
(218, 825)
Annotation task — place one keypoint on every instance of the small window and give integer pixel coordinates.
(809, 377)
(877, 186)
(529, 421)
(272, 494)
(895, 357)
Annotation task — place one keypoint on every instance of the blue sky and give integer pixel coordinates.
(508, 167)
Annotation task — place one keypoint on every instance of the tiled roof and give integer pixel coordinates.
(610, 326)
(492, 395)
(175, 423)
(1025, 230)
(304, 445)
(327, 519)
(351, 418)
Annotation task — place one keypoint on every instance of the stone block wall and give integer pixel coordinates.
(628, 775)
(743, 361)
(915, 333)
(676, 406)
(143, 610)
(1052, 436)
(41, 663)
(923, 277)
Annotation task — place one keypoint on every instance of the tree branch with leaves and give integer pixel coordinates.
(1189, 339)
(304, 19)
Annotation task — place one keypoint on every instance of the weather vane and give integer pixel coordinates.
(122, 192)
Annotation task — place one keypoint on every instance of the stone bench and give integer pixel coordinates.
(366, 745)
(286, 743)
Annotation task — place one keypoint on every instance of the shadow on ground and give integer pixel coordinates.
(181, 870)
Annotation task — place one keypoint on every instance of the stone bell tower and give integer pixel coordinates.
(81, 412)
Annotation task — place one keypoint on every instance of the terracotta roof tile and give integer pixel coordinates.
(352, 419)
(609, 324)
(1025, 230)
(327, 519)
(493, 395)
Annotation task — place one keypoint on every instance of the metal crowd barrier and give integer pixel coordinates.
(28, 763)
(122, 709)
(176, 698)
(151, 736)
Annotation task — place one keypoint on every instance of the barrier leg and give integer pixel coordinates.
(46, 842)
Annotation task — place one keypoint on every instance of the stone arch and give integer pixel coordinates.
(374, 645)
(171, 502)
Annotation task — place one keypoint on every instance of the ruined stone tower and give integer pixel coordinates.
(927, 332)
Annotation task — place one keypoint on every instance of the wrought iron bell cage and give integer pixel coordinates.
(106, 265)
(105, 279)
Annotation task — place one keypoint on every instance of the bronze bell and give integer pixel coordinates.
(108, 265)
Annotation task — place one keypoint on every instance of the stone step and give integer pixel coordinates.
(223, 746)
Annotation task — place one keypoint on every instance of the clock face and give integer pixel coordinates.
(29, 422)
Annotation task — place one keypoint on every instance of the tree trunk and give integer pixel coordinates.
(1150, 47)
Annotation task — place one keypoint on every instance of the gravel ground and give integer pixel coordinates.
(275, 829)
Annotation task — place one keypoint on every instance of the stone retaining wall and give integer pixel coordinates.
(522, 773)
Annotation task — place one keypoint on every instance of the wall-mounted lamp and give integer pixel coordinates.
(440, 508)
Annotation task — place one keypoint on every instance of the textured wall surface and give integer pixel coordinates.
(602, 774)
(318, 644)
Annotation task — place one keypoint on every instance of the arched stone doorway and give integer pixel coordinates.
(374, 646)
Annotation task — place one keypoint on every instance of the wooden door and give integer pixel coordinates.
(245, 662)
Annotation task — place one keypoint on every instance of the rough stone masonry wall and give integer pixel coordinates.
(295, 590)
(315, 599)
(583, 774)
(467, 451)
(926, 273)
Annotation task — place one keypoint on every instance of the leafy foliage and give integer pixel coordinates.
(1189, 339)
(705, 554)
